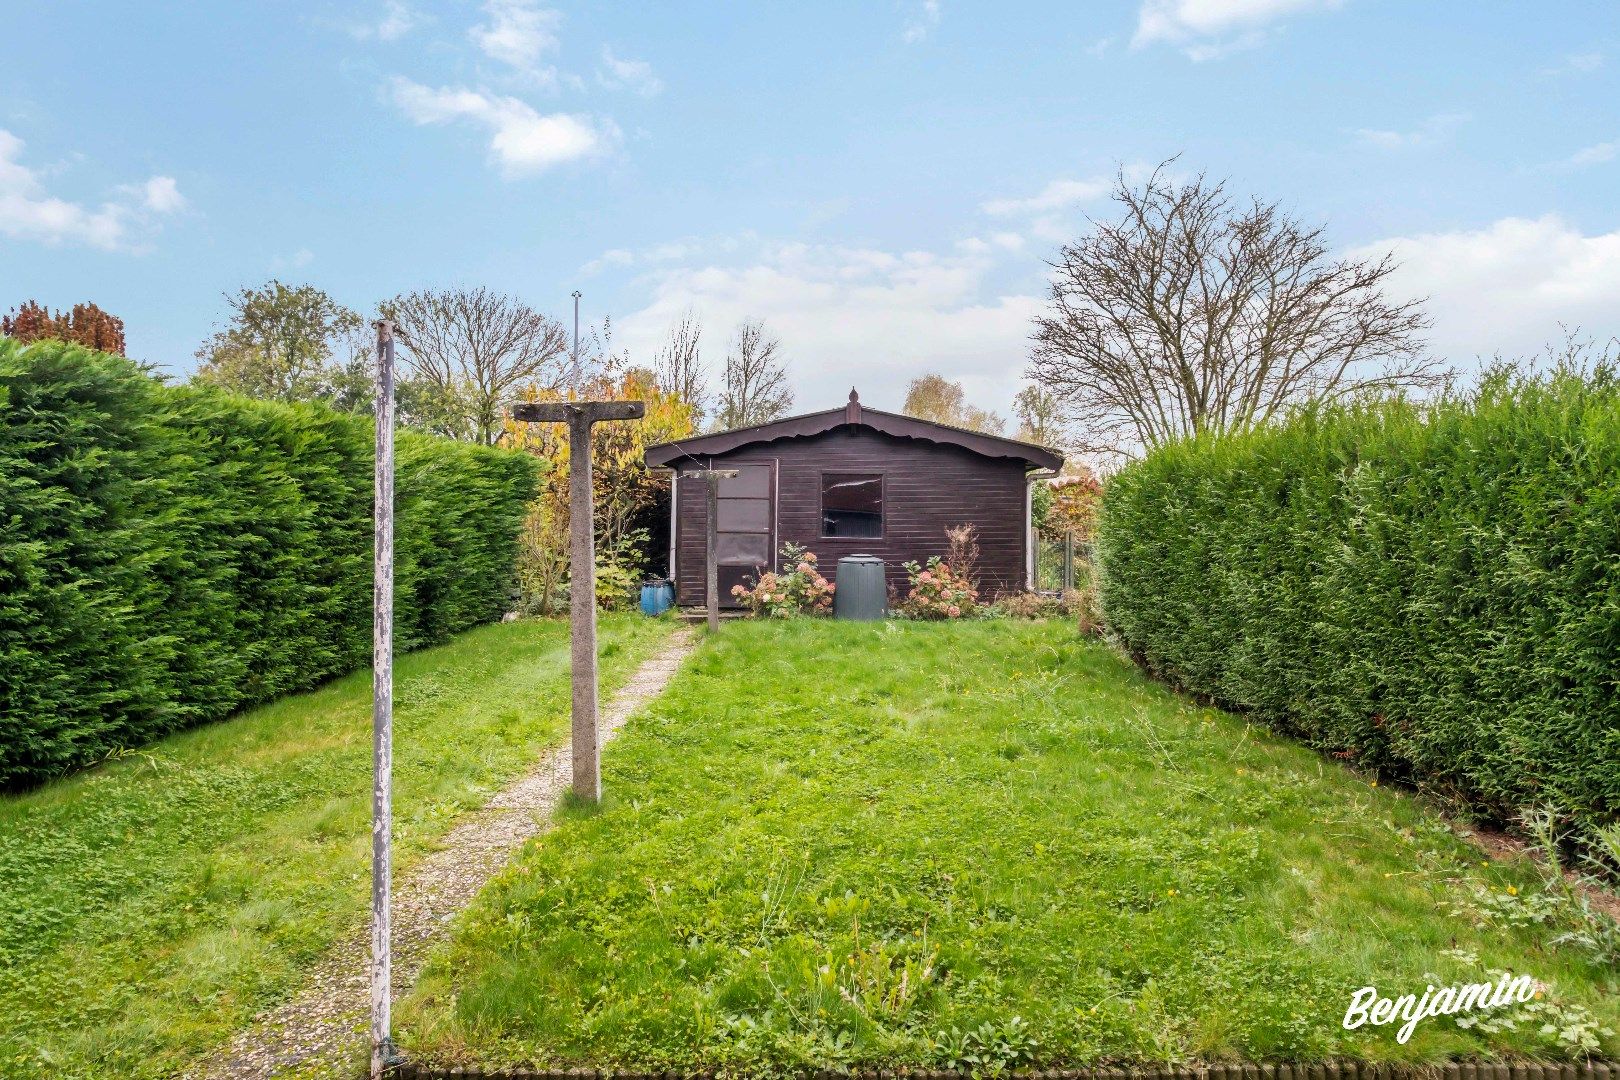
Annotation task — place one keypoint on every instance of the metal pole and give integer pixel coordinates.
(1068, 561)
(582, 604)
(382, 708)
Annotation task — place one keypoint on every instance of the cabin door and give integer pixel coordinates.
(745, 528)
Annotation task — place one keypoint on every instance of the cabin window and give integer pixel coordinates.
(851, 504)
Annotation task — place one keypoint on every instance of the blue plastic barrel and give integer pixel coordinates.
(657, 597)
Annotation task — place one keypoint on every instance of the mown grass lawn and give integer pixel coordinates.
(989, 843)
(150, 906)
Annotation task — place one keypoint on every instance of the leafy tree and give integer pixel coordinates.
(471, 350)
(85, 325)
(934, 397)
(1039, 416)
(290, 343)
(1194, 313)
(755, 388)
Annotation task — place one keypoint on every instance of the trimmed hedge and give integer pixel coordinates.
(171, 554)
(1433, 591)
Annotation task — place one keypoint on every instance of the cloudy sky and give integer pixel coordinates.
(881, 182)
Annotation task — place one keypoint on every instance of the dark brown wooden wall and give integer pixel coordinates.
(926, 487)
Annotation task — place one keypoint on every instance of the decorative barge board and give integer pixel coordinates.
(852, 481)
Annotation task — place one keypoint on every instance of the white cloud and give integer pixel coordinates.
(521, 140)
(1596, 154)
(985, 245)
(1580, 63)
(296, 261)
(1507, 287)
(856, 316)
(1058, 195)
(397, 20)
(635, 75)
(161, 195)
(29, 212)
(1050, 213)
(1206, 29)
(689, 248)
(923, 19)
(518, 33)
(1430, 131)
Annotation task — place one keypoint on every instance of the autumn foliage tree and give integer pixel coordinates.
(936, 398)
(1073, 507)
(85, 325)
(625, 493)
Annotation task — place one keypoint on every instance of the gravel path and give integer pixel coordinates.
(322, 1030)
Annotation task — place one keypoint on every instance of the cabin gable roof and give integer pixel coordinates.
(854, 414)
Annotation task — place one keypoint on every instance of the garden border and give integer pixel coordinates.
(1322, 1070)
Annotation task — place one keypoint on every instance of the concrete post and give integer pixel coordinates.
(579, 416)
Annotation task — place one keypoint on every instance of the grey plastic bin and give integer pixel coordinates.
(862, 591)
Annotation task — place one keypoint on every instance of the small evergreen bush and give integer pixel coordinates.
(171, 554)
(1431, 590)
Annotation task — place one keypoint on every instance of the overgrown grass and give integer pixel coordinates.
(978, 845)
(150, 906)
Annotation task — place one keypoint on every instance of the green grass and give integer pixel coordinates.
(928, 844)
(150, 906)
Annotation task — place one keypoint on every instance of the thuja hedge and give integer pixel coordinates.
(1432, 591)
(169, 554)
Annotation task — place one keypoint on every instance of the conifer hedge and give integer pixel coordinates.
(1433, 591)
(170, 554)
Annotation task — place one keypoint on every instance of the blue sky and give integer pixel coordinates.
(880, 182)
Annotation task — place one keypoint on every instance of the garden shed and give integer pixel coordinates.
(850, 481)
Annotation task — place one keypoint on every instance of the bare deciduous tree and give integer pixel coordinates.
(678, 365)
(934, 397)
(1192, 313)
(755, 387)
(475, 348)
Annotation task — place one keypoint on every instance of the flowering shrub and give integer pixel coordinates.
(938, 592)
(798, 590)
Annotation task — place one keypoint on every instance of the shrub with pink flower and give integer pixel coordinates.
(798, 591)
(938, 592)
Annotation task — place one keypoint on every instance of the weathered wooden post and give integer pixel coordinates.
(382, 709)
(579, 416)
(712, 478)
(1068, 561)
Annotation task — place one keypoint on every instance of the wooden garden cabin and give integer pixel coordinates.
(850, 481)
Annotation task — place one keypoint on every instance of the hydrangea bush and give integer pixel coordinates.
(797, 590)
(938, 592)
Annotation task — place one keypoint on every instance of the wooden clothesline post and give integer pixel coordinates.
(579, 416)
(382, 709)
(712, 478)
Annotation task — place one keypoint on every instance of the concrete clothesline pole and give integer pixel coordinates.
(580, 416)
(712, 478)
